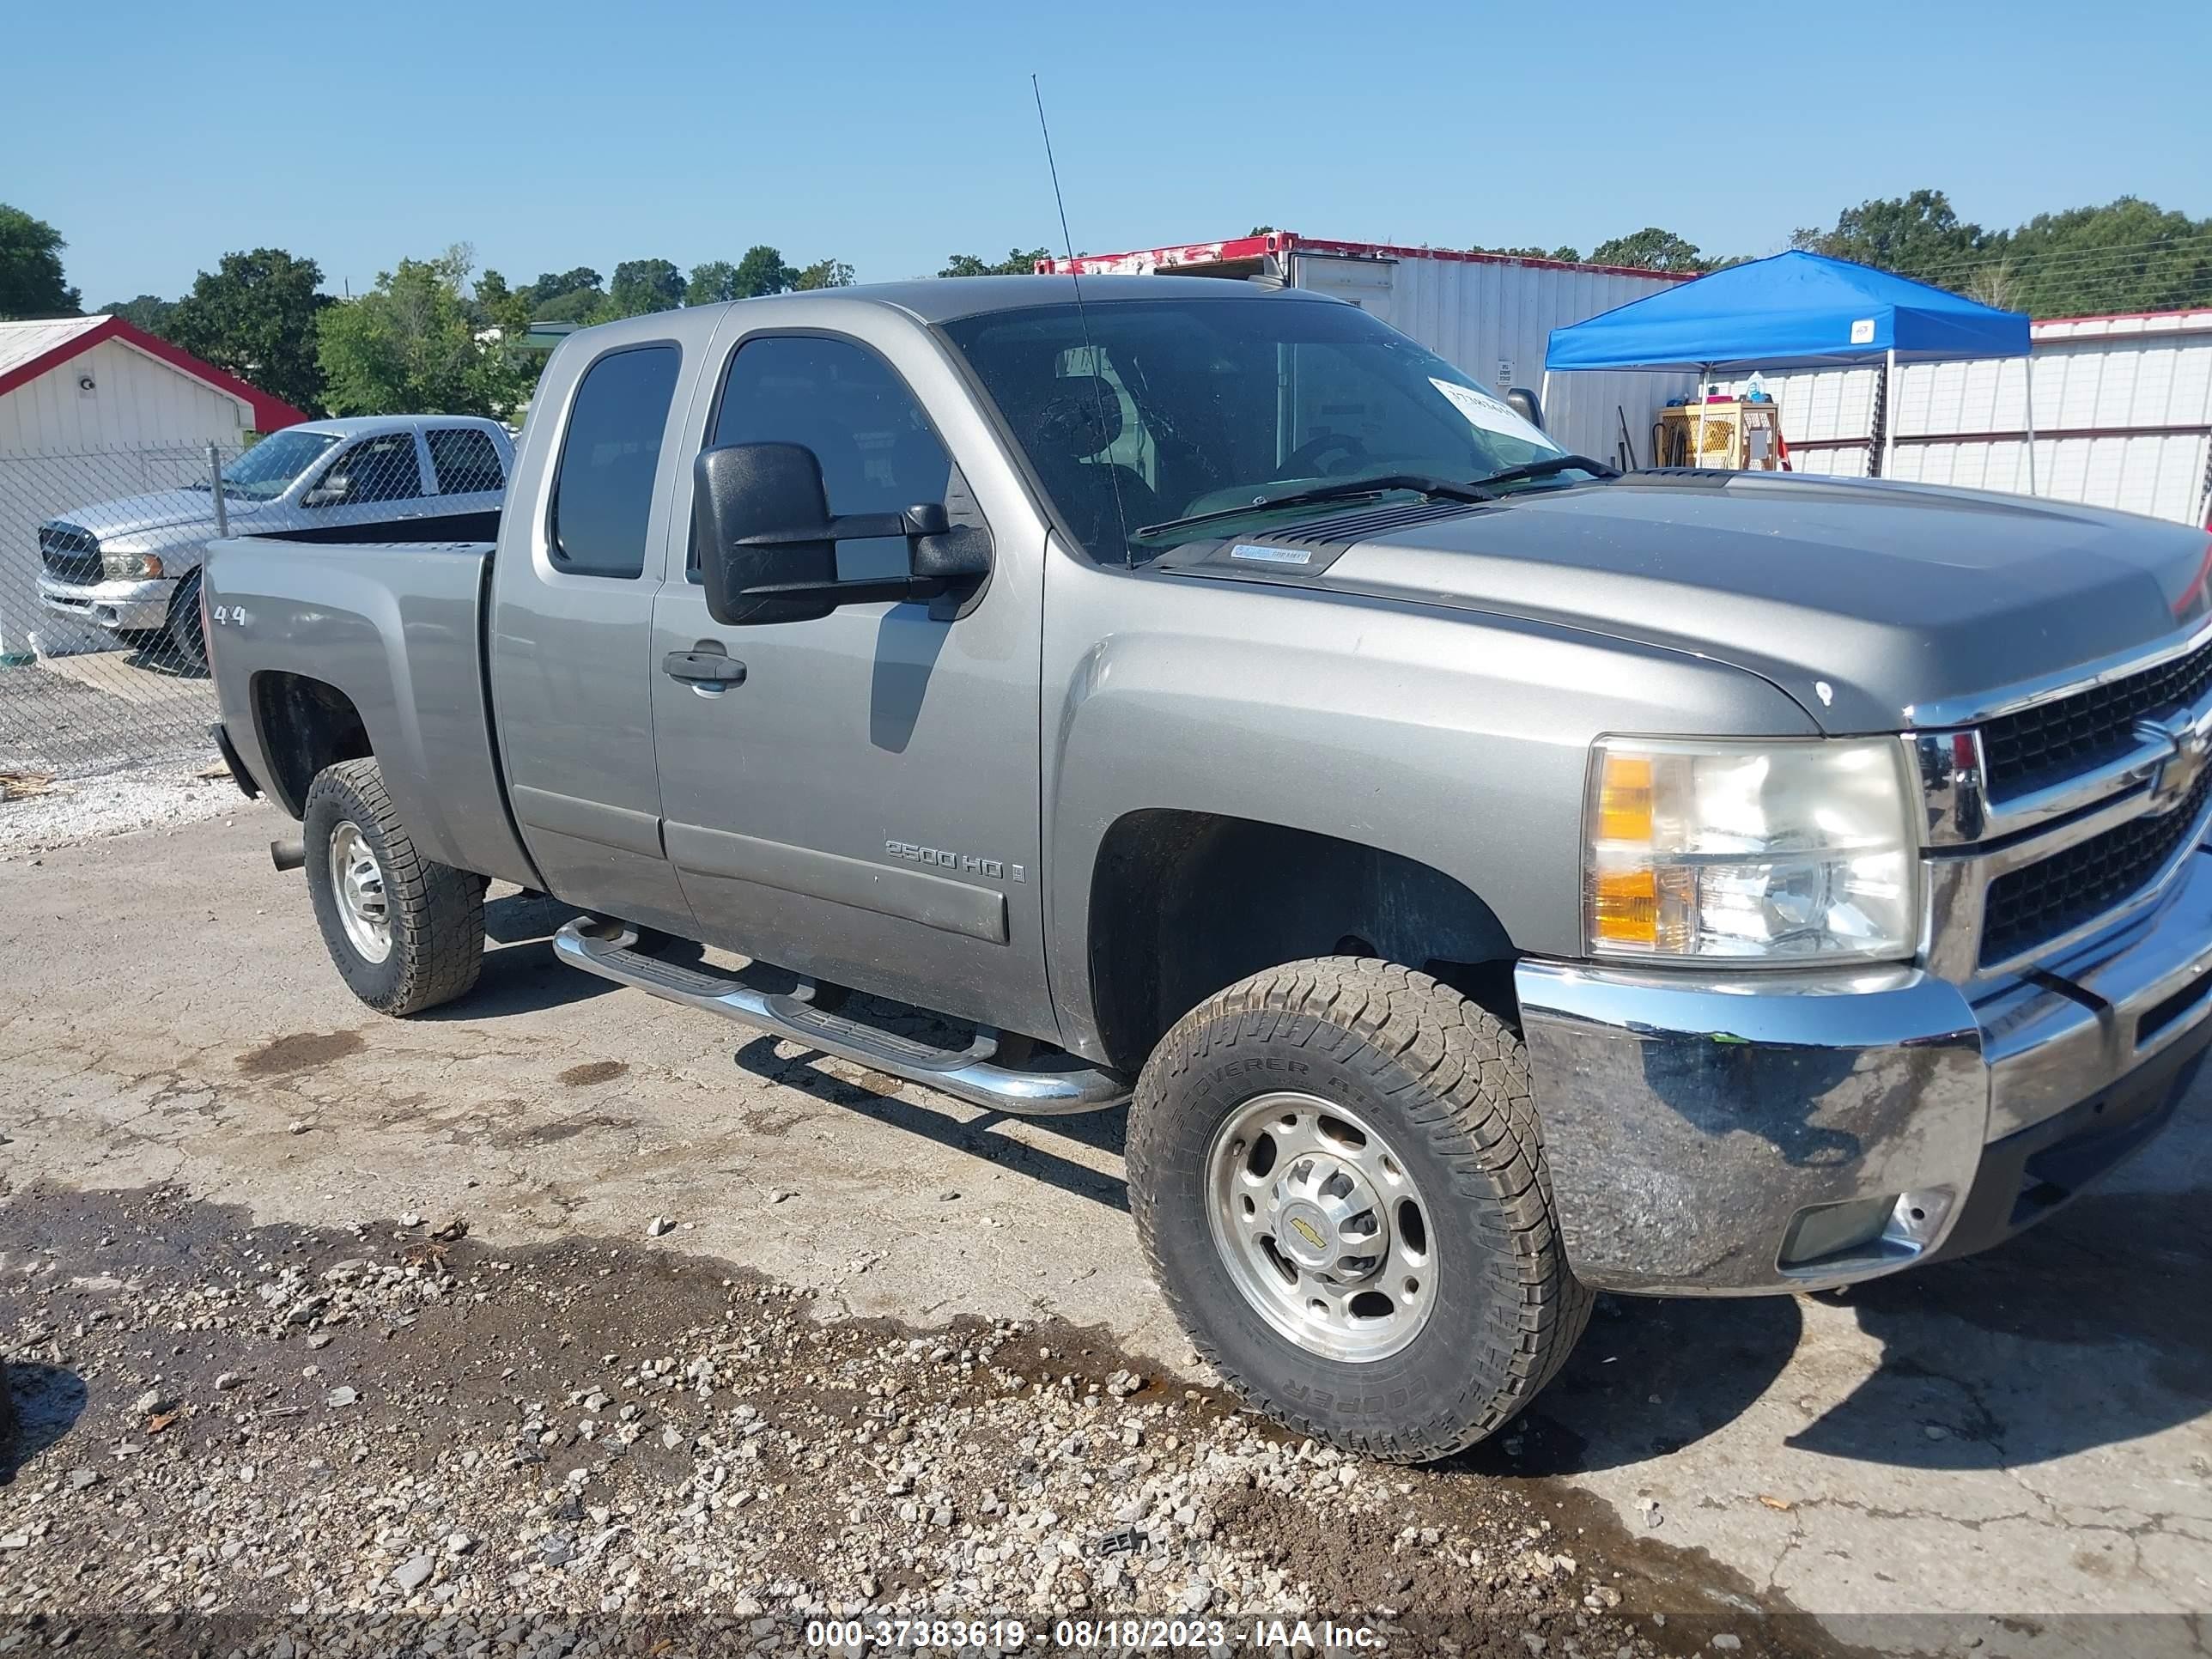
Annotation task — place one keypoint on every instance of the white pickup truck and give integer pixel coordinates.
(130, 567)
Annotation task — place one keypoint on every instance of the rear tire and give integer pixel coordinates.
(405, 933)
(1374, 1103)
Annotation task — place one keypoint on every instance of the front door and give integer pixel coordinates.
(863, 806)
(378, 480)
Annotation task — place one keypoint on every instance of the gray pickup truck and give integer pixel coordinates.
(1488, 879)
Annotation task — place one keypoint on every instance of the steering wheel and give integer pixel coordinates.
(1304, 461)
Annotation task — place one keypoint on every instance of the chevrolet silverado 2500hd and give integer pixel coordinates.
(1495, 879)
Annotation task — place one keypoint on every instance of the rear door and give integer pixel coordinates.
(864, 806)
(580, 558)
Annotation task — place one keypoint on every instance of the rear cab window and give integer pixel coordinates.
(610, 456)
(465, 460)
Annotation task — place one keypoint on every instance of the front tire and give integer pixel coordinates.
(1337, 1175)
(405, 933)
(184, 641)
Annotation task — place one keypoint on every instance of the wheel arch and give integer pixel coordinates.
(304, 725)
(1183, 903)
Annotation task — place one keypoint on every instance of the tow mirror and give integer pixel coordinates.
(768, 541)
(1525, 404)
(762, 516)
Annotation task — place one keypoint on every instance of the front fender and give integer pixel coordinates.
(1454, 739)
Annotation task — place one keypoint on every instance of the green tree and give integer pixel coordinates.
(1568, 254)
(644, 285)
(1018, 262)
(762, 272)
(1919, 235)
(824, 273)
(2128, 255)
(255, 315)
(496, 306)
(1651, 249)
(410, 346)
(31, 280)
(551, 287)
(581, 304)
(711, 283)
(149, 311)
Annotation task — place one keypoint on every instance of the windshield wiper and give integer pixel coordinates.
(1348, 490)
(1546, 467)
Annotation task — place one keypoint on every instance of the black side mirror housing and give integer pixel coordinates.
(1525, 404)
(761, 517)
(768, 541)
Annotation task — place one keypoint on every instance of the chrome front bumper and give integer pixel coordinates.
(122, 606)
(1707, 1134)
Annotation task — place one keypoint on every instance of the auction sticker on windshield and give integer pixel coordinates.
(1485, 412)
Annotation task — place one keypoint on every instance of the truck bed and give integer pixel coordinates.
(396, 629)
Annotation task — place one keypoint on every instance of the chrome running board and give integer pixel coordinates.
(972, 1073)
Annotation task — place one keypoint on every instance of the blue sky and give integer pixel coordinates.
(892, 134)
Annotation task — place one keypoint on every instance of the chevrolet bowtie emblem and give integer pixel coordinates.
(1306, 1231)
(2178, 774)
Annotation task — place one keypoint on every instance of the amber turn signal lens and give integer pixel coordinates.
(1624, 907)
(1624, 801)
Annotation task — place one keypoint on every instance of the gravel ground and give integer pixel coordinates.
(391, 1439)
(163, 793)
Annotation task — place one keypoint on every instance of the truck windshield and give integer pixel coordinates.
(266, 471)
(1146, 411)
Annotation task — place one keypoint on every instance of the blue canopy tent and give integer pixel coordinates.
(1796, 311)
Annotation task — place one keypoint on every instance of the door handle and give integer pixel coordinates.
(703, 668)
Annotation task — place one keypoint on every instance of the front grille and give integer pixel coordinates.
(2053, 741)
(70, 552)
(2037, 902)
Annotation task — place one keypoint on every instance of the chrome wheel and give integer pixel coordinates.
(357, 882)
(1321, 1226)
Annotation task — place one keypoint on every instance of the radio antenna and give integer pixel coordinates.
(1083, 318)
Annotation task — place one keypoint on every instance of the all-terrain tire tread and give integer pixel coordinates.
(437, 911)
(1462, 1076)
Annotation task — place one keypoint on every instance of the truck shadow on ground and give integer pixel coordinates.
(2091, 1329)
(520, 974)
(47, 1401)
(962, 1128)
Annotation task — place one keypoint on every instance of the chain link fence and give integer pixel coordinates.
(101, 662)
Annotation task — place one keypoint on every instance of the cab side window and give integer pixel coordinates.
(379, 469)
(878, 451)
(603, 487)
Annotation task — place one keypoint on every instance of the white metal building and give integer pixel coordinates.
(2123, 417)
(1488, 314)
(93, 409)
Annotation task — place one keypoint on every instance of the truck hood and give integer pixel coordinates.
(164, 509)
(1862, 600)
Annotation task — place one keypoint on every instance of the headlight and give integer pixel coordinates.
(1753, 852)
(135, 566)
